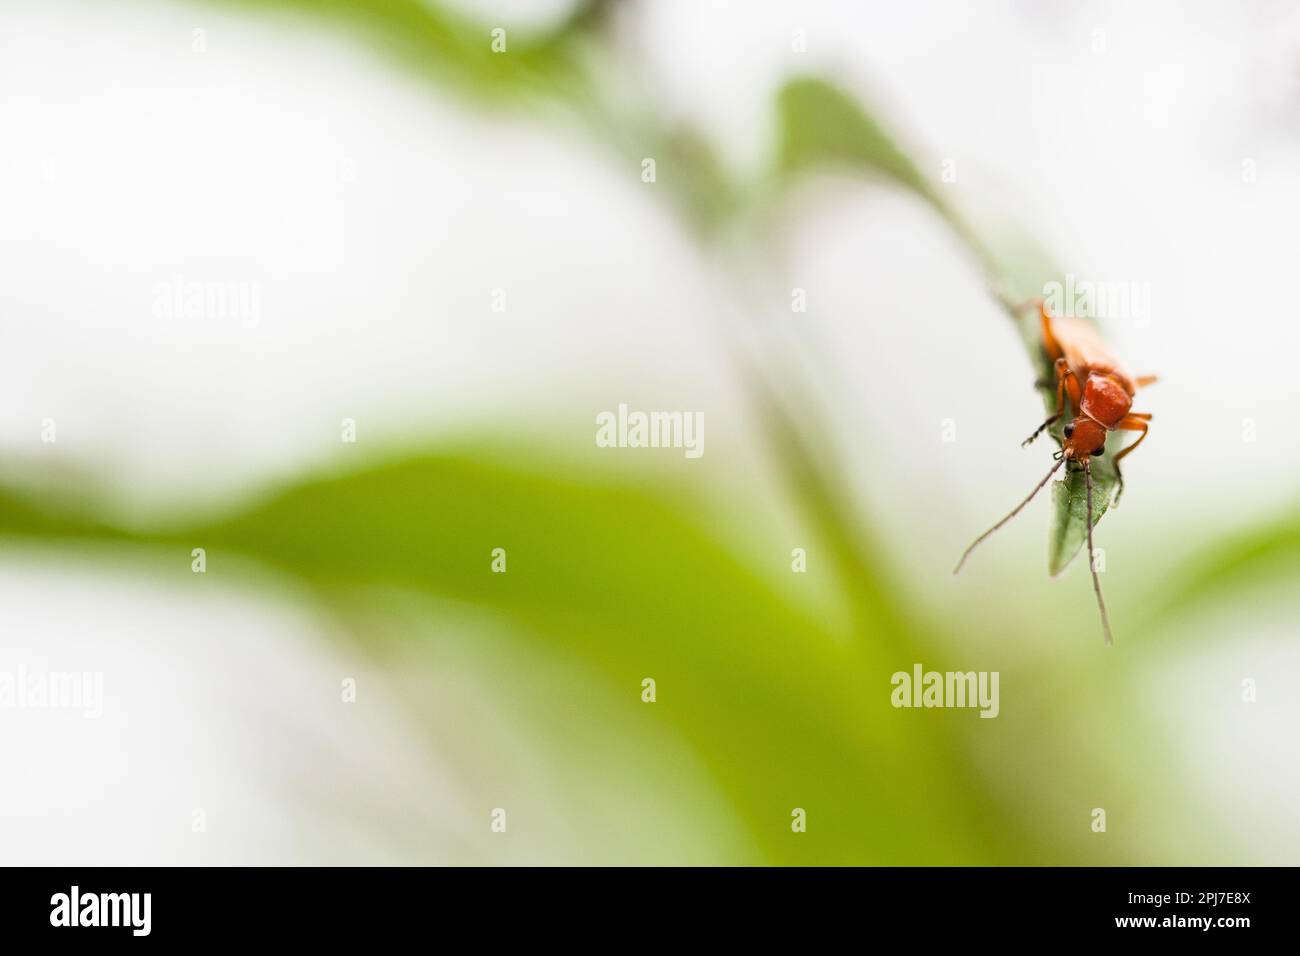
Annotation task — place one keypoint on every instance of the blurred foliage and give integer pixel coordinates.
(456, 50)
(819, 125)
(1230, 565)
(783, 709)
(783, 712)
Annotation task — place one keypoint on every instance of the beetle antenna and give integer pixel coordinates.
(1092, 564)
(1037, 488)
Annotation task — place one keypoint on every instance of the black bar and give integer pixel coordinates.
(369, 906)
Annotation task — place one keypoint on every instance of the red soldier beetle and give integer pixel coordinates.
(1100, 391)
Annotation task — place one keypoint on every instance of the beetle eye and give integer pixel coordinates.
(1069, 429)
(1099, 451)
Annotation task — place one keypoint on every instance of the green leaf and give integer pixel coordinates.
(456, 49)
(781, 709)
(1070, 523)
(1260, 555)
(819, 124)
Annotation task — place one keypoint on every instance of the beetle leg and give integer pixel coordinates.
(1065, 381)
(1132, 422)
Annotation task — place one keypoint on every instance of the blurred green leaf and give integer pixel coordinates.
(457, 49)
(784, 712)
(771, 700)
(821, 125)
(1228, 565)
